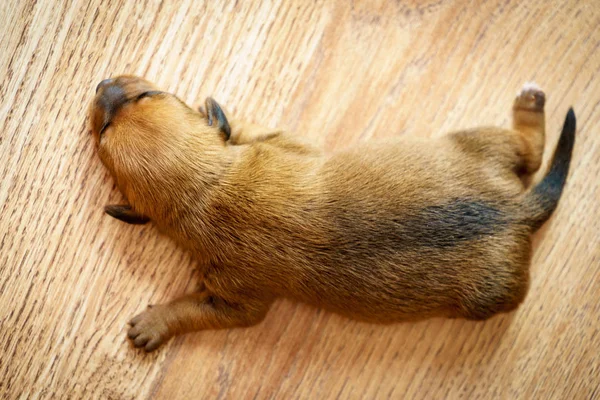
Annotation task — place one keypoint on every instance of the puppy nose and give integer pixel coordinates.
(110, 98)
(104, 83)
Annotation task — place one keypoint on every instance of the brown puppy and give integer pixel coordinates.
(398, 230)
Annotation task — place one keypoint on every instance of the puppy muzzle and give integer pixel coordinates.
(114, 93)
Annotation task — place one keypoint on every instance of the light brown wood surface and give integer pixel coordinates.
(338, 72)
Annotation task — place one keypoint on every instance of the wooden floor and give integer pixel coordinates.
(340, 72)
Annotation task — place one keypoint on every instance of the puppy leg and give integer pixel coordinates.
(518, 150)
(529, 122)
(191, 313)
(243, 132)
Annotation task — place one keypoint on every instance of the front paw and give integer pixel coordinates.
(149, 329)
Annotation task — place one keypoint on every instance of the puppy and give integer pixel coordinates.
(398, 230)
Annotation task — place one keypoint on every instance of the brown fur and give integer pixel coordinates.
(397, 230)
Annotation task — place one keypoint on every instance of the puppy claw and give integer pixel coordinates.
(152, 345)
(141, 340)
(135, 319)
(530, 86)
(530, 98)
(132, 333)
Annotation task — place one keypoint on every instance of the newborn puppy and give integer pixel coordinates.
(390, 231)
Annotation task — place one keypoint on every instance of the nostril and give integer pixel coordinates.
(103, 83)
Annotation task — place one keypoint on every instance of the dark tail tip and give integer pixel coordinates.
(546, 194)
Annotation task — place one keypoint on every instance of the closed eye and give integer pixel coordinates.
(148, 94)
(106, 125)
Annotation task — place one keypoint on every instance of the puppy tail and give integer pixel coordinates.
(543, 198)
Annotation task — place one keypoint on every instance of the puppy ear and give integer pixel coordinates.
(214, 112)
(126, 214)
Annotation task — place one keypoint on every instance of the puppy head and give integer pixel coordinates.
(149, 137)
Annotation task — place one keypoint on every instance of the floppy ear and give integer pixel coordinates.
(126, 214)
(215, 114)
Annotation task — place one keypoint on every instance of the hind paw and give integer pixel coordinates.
(531, 98)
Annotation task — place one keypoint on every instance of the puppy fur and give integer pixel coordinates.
(389, 231)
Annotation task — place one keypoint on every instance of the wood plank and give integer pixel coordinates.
(338, 73)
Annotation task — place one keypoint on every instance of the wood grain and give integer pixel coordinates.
(338, 72)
